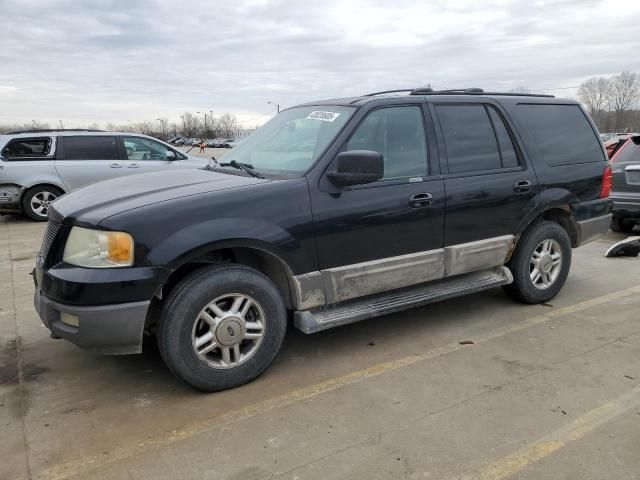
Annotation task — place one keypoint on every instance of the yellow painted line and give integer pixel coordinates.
(77, 467)
(517, 461)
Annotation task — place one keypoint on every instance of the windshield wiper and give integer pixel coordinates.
(242, 166)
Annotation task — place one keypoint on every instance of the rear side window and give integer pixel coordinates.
(475, 138)
(630, 152)
(562, 134)
(89, 148)
(25, 148)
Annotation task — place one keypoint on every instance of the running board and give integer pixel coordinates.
(316, 320)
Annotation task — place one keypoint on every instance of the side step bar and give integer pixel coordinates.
(316, 320)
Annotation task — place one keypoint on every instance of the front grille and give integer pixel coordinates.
(49, 235)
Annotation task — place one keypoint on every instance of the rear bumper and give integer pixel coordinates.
(107, 329)
(626, 205)
(10, 198)
(593, 228)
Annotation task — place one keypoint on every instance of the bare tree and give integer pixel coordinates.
(192, 124)
(163, 124)
(624, 92)
(228, 124)
(594, 94)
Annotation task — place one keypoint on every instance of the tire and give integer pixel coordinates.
(547, 240)
(192, 314)
(35, 203)
(621, 225)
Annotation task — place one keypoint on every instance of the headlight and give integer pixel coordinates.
(98, 249)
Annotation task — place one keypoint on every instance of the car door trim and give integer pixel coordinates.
(338, 284)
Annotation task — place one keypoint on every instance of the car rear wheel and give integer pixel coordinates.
(37, 200)
(540, 264)
(221, 327)
(621, 225)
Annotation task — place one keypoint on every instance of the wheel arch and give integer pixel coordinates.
(254, 254)
(560, 214)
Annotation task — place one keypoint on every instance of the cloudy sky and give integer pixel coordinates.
(90, 61)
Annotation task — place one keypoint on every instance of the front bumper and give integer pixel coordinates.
(108, 329)
(593, 228)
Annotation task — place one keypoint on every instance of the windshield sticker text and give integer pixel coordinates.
(323, 116)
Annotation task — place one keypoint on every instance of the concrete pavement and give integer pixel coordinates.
(549, 391)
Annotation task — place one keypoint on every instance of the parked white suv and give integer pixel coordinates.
(37, 166)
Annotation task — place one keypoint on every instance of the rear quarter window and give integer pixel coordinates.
(562, 134)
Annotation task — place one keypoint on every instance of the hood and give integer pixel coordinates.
(93, 203)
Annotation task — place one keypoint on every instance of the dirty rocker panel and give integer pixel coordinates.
(339, 284)
(319, 319)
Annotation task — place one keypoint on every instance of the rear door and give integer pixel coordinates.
(86, 159)
(488, 187)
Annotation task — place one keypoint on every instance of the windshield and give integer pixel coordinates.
(293, 140)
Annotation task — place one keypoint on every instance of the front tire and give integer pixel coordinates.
(221, 327)
(540, 264)
(36, 202)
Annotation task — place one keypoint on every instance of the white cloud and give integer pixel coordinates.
(119, 60)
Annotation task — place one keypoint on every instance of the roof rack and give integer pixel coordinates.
(389, 91)
(45, 130)
(457, 91)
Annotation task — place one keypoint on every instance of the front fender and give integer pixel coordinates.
(191, 242)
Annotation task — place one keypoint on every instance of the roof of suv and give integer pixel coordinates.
(440, 94)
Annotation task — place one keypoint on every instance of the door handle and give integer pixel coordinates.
(115, 165)
(523, 186)
(134, 165)
(420, 200)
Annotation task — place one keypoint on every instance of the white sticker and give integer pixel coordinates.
(323, 116)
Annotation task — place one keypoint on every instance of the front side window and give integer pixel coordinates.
(562, 133)
(90, 148)
(398, 134)
(25, 148)
(138, 148)
(293, 140)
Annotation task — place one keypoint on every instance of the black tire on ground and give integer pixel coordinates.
(39, 195)
(520, 264)
(185, 305)
(621, 225)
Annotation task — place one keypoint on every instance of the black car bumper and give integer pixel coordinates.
(107, 329)
(102, 310)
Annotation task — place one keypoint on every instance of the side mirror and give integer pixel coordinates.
(357, 167)
(171, 155)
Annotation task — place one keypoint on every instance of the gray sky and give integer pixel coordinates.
(128, 60)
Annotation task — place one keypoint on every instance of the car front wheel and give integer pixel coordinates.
(221, 327)
(540, 264)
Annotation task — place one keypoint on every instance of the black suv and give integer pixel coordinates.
(333, 212)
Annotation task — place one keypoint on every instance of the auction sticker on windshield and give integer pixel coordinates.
(323, 116)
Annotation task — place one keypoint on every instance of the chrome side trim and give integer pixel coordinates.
(353, 281)
(338, 284)
(478, 255)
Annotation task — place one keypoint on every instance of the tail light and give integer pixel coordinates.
(607, 180)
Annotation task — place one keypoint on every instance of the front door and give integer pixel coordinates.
(146, 155)
(388, 234)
